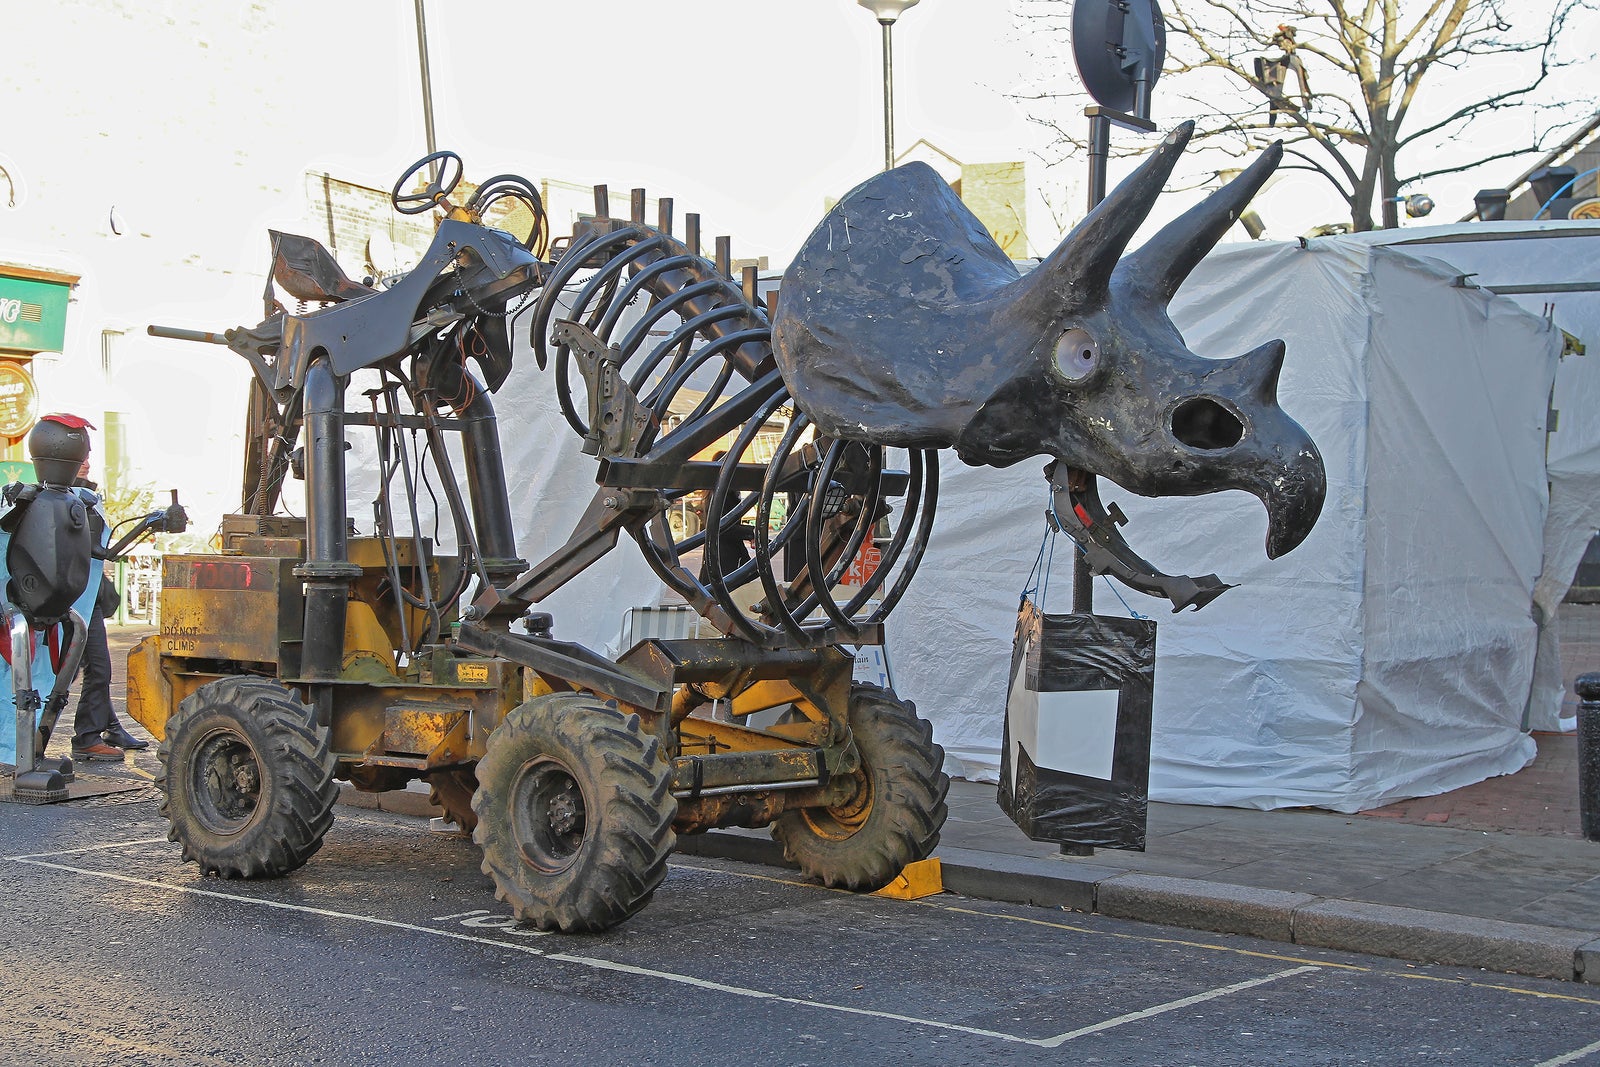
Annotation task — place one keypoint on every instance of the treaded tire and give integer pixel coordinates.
(246, 779)
(574, 813)
(896, 817)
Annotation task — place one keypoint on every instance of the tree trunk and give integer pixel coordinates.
(1390, 186)
(1361, 199)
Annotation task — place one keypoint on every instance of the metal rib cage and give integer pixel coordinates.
(694, 346)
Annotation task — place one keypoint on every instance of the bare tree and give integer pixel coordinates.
(1229, 64)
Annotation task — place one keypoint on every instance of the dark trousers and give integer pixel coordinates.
(94, 714)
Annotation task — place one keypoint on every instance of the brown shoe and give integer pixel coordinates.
(97, 751)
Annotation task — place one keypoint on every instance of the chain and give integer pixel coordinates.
(507, 313)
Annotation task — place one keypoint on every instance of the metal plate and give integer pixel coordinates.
(1110, 38)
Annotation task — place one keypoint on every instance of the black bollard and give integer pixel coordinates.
(1588, 687)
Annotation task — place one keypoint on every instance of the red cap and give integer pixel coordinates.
(76, 422)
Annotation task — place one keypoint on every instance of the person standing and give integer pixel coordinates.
(97, 732)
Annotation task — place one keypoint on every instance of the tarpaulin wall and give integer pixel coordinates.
(1542, 257)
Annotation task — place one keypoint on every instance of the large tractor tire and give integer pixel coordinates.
(246, 779)
(898, 808)
(574, 813)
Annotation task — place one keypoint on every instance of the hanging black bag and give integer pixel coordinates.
(1075, 763)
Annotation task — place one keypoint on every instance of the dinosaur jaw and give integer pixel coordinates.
(1078, 512)
(1292, 489)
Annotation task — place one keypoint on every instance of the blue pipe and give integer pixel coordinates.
(1557, 195)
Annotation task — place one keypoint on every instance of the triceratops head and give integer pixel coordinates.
(901, 322)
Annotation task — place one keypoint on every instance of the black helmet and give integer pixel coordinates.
(58, 445)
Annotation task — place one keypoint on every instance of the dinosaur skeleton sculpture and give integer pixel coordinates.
(900, 329)
(902, 325)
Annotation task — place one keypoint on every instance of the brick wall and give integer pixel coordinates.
(360, 226)
(1587, 158)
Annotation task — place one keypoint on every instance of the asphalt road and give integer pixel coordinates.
(390, 948)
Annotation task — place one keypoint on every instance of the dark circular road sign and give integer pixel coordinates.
(1116, 44)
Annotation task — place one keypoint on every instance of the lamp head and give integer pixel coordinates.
(1418, 205)
(887, 11)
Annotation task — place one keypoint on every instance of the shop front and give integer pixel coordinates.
(33, 319)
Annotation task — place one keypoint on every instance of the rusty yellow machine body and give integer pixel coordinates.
(241, 612)
(304, 654)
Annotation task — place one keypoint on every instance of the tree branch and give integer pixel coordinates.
(1374, 61)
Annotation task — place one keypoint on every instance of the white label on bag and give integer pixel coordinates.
(1074, 732)
(1077, 732)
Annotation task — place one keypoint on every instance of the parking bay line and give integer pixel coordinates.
(104, 846)
(1572, 1057)
(668, 976)
(1233, 950)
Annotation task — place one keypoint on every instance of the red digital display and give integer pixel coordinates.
(219, 574)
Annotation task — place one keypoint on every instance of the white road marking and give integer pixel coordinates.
(303, 909)
(1572, 1057)
(779, 998)
(1161, 1009)
(89, 848)
(646, 972)
(1208, 946)
(505, 923)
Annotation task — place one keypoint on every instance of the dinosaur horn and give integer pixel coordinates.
(1160, 266)
(1259, 369)
(1078, 272)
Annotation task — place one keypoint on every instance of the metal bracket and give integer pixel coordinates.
(1464, 281)
(1079, 514)
(616, 418)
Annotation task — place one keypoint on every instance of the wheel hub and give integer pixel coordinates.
(225, 782)
(548, 815)
(843, 819)
(565, 813)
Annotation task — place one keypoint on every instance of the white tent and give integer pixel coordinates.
(1537, 265)
(1392, 653)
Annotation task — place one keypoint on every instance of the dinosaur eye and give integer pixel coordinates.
(1077, 354)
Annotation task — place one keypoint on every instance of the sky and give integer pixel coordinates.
(756, 112)
(753, 112)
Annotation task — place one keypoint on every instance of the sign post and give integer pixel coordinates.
(1119, 46)
(19, 400)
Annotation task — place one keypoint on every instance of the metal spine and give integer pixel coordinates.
(689, 339)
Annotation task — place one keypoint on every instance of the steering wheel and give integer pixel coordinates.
(437, 189)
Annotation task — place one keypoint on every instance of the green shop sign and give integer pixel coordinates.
(12, 470)
(33, 314)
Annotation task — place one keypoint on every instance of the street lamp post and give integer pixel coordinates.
(427, 88)
(886, 12)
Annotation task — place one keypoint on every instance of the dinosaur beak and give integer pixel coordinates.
(1290, 481)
